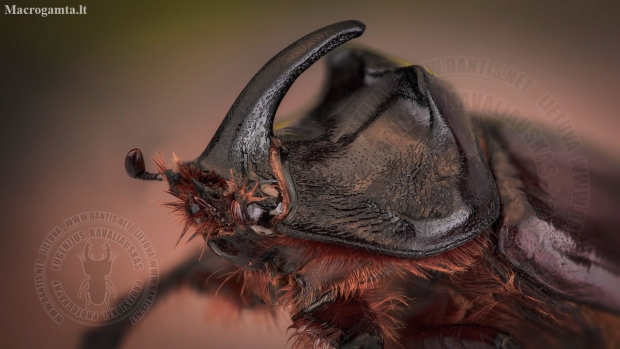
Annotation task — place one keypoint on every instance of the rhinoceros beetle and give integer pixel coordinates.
(383, 217)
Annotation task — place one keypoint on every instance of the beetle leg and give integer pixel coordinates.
(106, 299)
(199, 274)
(338, 324)
(88, 300)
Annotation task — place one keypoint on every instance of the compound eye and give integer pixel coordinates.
(255, 212)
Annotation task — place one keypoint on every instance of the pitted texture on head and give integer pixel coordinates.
(206, 201)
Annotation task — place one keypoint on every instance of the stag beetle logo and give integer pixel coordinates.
(97, 286)
(114, 277)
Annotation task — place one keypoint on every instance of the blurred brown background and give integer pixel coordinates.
(77, 92)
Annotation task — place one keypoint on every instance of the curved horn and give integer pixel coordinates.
(244, 137)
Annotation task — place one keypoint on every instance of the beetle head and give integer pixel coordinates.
(231, 187)
(383, 163)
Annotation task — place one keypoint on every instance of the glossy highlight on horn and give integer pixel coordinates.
(243, 139)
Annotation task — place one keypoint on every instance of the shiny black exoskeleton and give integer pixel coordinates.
(389, 174)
